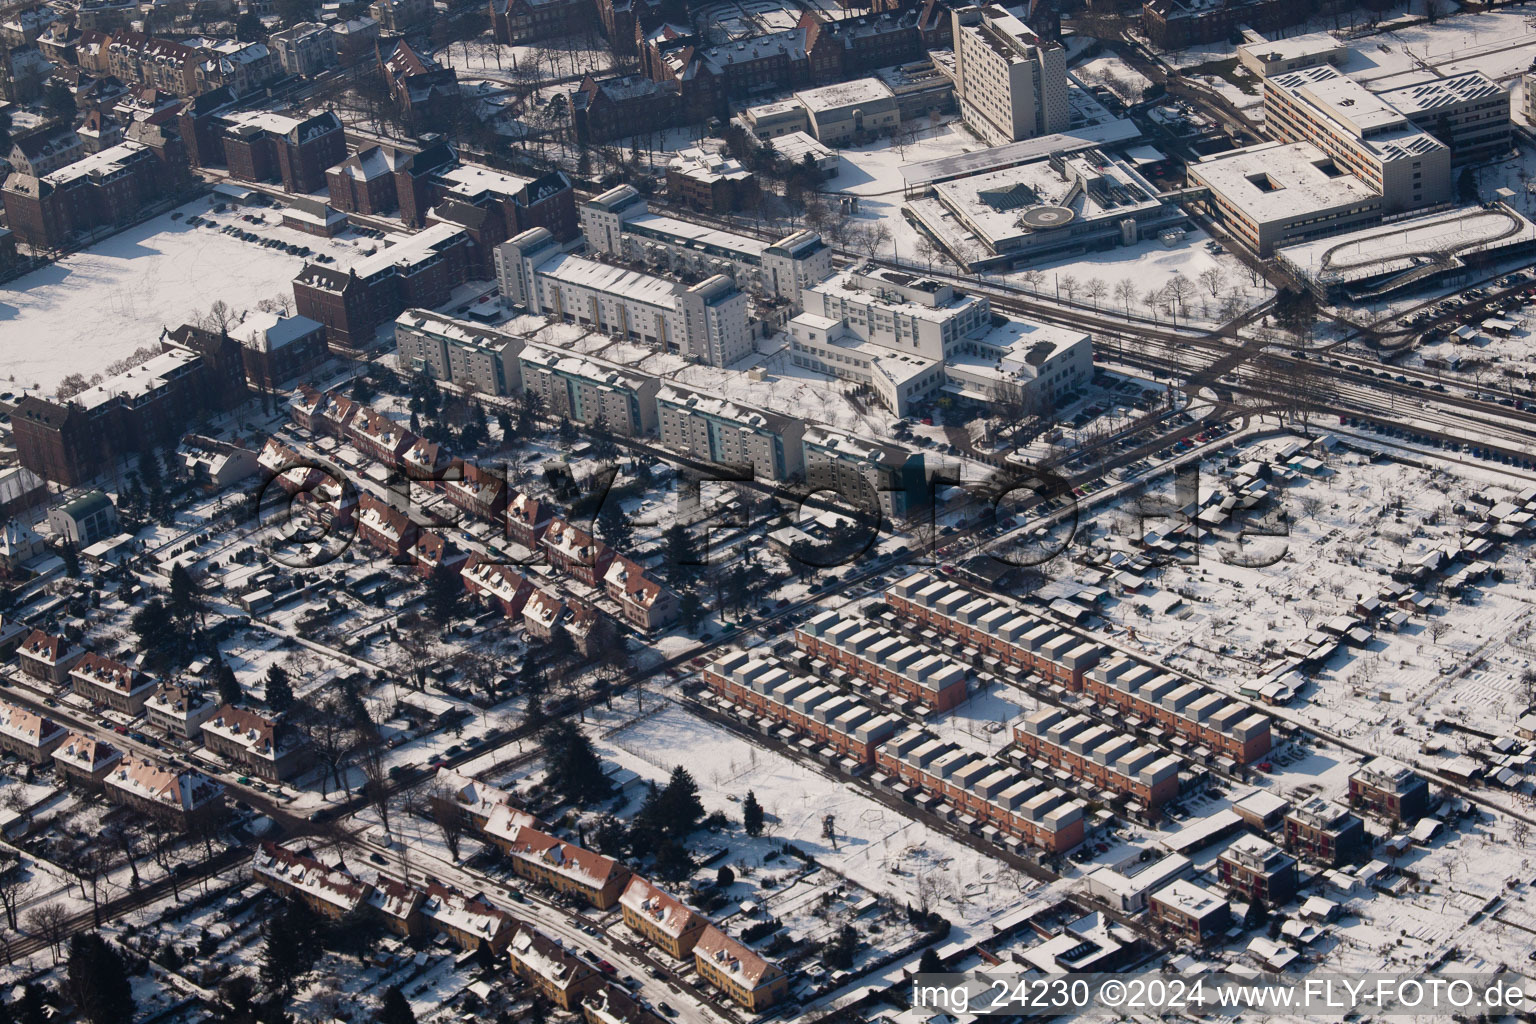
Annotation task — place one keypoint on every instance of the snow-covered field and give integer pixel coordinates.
(97, 306)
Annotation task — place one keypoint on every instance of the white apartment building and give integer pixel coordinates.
(715, 429)
(1010, 84)
(619, 223)
(590, 390)
(707, 322)
(466, 353)
(306, 49)
(863, 471)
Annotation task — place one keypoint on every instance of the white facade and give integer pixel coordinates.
(590, 390)
(1010, 83)
(306, 49)
(715, 429)
(467, 354)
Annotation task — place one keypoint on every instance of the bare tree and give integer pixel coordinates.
(1125, 292)
(1213, 280)
(1068, 284)
(444, 809)
(1178, 289)
(1096, 289)
(49, 922)
(16, 886)
(1033, 279)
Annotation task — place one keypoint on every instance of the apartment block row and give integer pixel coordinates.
(1229, 728)
(176, 796)
(984, 793)
(998, 630)
(619, 223)
(890, 662)
(1099, 756)
(824, 714)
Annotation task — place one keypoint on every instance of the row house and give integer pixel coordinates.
(560, 976)
(86, 759)
(660, 918)
(612, 1004)
(765, 687)
(475, 800)
(1258, 869)
(993, 794)
(397, 906)
(318, 490)
(467, 922)
(28, 735)
(479, 491)
(1055, 654)
(1228, 727)
(425, 462)
(179, 710)
(48, 657)
(645, 603)
(1323, 832)
(497, 584)
(385, 528)
(177, 797)
(261, 746)
(379, 437)
(576, 552)
(105, 681)
(565, 867)
(893, 664)
(332, 892)
(433, 549)
(1099, 756)
(527, 518)
(750, 981)
(545, 613)
(1390, 789)
(137, 57)
(1190, 912)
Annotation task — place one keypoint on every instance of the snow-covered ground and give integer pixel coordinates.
(97, 306)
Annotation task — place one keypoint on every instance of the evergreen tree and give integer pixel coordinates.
(229, 686)
(929, 962)
(678, 806)
(98, 982)
(279, 689)
(690, 609)
(395, 1009)
(725, 877)
(574, 769)
(184, 600)
(752, 815)
(71, 560)
(444, 590)
(33, 1005)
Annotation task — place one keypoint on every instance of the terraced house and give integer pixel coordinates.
(260, 745)
(28, 735)
(105, 681)
(749, 980)
(562, 866)
(663, 920)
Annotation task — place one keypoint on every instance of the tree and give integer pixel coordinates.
(675, 810)
(159, 637)
(71, 559)
(98, 982)
(16, 886)
(185, 603)
(574, 769)
(444, 591)
(48, 922)
(279, 689)
(249, 29)
(929, 962)
(1096, 289)
(395, 1009)
(837, 952)
(829, 829)
(32, 1008)
(444, 808)
(229, 686)
(59, 101)
(752, 815)
(1125, 292)
(725, 877)
(1213, 280)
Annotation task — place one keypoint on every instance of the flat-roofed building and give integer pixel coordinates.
(1266, 57)
(1010, 83)
(866, 473)
(1258, 869)
(1324, 832)
(1468, 112)
(1191, 912)
(461, 352)
(1390, 789)
(590, 390)
(1128, 890)
(715, 429)
(850, 113)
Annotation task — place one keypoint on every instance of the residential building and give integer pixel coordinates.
(42, 150)
(397, 906)
(133, 57)
(1259, 870)
(177, 797)
(48, 658)
(397, 17)
(85, 759)
(497, 585)
(660, 918)
(613, 1005)
(1191, 913)
(1010, 84)
(902, 669)
(714, 429)
(262, 746)
(866, 473)
(575, 551)
(1177, 24)
(105, 681)
(750, 981)
(564, 867)
(332, 892)
(589, 390)
(179, 710)
(1100, 757)
(84, 520)
(1128, 889)
(623, 106)
(279, 350)
(706, 180)
(357, 39)
(647, 605)
(1387, 788)
(242, 66)
(475, 800)
(28, 735)
(468, 922)
(560, 976)
(384, 528)
(305, 49)
(1323, 832)
(619, 223)
(465, 353)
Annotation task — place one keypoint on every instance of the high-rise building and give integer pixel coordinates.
(1010, 83)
